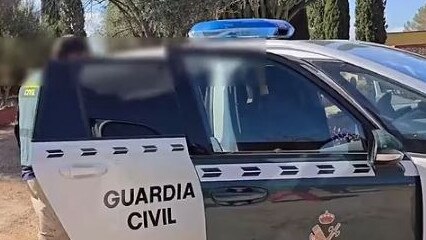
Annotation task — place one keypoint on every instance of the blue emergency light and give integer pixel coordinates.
(242, 28)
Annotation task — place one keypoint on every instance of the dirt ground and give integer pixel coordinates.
(17, 218)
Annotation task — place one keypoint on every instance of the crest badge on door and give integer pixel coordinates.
(326, 229)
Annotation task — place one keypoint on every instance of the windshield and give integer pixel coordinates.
(403, 108)
(407, 63)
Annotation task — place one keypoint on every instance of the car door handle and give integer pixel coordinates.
(237, 196)
(83, 171)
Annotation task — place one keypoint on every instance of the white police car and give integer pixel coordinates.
(222, 140)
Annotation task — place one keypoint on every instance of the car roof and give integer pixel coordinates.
(316, 49)
(298, 49)
(160, 52)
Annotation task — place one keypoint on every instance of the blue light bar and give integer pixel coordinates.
(242, 28)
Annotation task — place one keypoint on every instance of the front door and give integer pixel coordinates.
(291, 157)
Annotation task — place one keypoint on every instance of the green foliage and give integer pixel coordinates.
(21, 32)
(62, 17)
(21, 45)
(17, 55)
(315, 13)
(115, 23)
(152, 18)
(418, 23)
(19, 20)
(370, 21)
(50, 10)
(336, 19)
(329, 19)
(277, 9)
(171, 18)
(73, 17)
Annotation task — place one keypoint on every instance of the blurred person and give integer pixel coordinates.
(67, 48)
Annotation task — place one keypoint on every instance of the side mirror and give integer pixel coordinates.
(386, 148)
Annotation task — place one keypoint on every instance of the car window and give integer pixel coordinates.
(407, 63)
(105, 99)
(263, 105)
(399, 105)
(134, 95)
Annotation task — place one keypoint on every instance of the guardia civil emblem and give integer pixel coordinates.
(326, 229)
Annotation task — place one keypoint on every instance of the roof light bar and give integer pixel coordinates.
(243, 28)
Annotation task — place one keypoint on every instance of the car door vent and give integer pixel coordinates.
(120, 150)
(177, 147)
(251, 171)
(149, 148)
(361, 168)
(88, 152)
(211, 172)
(325, 169)
(54, 153)
(289, 170)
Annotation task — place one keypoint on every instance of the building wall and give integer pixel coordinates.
(410, 41)
(419, 49)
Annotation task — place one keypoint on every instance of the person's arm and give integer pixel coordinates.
(17, 125)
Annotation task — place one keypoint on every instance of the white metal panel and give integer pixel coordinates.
(76, 177)
(291, 170)
(297, 53)
(410, 168)
(420, 162)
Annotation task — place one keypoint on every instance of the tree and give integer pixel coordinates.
(18, 20)
(63, 17)
(115, 23)
(171, 18)
(51, 18)
(73, 17)
(336, 19)
(329, 19)
(419, 21)
(315, 12)
(50, 11)
(370, 22)
(19, 26)
(277, 9)
(300, 22)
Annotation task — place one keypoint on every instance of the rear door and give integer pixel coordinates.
(109, 159)
(290, 156)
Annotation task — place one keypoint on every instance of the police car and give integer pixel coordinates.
(222, 140)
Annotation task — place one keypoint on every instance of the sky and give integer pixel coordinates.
(398, 12)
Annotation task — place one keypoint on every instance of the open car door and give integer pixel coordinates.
(107, 156)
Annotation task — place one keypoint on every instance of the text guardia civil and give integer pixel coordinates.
(153, 194)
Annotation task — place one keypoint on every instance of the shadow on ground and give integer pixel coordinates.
(17, 218)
